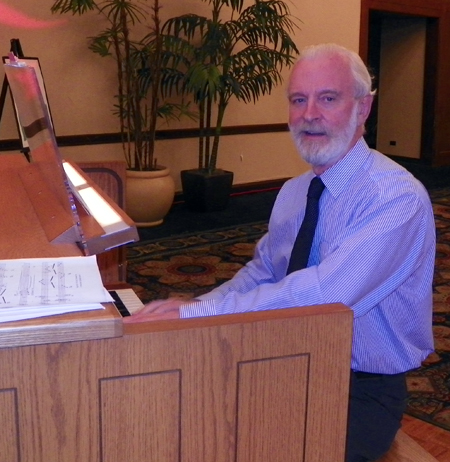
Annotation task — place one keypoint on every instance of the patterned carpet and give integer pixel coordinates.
(429, 386)
(191, 264)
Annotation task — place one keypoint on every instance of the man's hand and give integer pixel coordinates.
(157, 310)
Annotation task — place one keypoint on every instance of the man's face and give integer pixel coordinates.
(325, 118)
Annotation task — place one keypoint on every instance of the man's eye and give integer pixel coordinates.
(297, 100)
(329, 99)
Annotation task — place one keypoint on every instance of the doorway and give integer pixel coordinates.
(401, 54)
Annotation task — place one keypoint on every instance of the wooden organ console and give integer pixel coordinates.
(260, 386)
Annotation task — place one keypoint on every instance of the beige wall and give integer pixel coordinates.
(401, 86)
(80, 86)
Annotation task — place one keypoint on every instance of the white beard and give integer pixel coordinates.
(318, 154)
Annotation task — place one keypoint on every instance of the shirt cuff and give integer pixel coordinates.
(198, 309)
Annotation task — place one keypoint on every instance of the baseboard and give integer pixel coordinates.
(258, 186)
(247, 188)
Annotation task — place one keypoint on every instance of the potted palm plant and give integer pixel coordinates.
(237, 53)
(146, 75)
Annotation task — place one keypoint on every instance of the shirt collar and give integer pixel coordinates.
(337, 176)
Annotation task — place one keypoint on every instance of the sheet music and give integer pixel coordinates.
(42, 286)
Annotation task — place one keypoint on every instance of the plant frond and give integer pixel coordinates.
(187, 25)
(175, 111)
(116, 10)
(203, 81)
(73, 6)
(171, 82)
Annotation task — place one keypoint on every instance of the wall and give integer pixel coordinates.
(401, 86)
(81, 85)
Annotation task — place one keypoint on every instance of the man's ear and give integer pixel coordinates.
(364, 107)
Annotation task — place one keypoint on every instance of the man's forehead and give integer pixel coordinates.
(321, 74)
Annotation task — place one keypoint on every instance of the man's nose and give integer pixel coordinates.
(311, 111)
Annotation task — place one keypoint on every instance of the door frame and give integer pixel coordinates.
(435, 145)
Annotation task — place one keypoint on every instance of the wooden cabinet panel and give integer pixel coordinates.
(200, 390)
(149, 410)
(9, 424)
(272, 409)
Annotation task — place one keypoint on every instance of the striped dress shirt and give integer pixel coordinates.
(373, 250)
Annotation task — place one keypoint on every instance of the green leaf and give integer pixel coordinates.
(73, 6)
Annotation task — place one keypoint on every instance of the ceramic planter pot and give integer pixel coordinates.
(149, 196)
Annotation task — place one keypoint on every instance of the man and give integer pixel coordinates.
(373, 248)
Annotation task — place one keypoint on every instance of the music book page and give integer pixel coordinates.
(36, 287)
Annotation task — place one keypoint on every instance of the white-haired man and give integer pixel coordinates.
(373, 248)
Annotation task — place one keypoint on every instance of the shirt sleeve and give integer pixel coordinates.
(369, 259)
(390, 245)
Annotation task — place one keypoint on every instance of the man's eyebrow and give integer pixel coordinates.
(329, 91)
(325, 91)
(296, 94)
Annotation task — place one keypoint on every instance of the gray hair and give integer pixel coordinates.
(360, 73)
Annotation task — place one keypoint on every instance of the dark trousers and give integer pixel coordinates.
(377, 403)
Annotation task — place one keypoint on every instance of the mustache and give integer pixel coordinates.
(308, 127)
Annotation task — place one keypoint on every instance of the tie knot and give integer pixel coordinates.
(316, 188)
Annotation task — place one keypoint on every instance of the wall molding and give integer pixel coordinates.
(112, 138)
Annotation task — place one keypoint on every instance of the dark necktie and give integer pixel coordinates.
(303, 242)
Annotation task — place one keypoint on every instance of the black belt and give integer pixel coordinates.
(366, 375)
(370, 375)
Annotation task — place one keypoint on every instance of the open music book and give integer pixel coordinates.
(35, 287)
